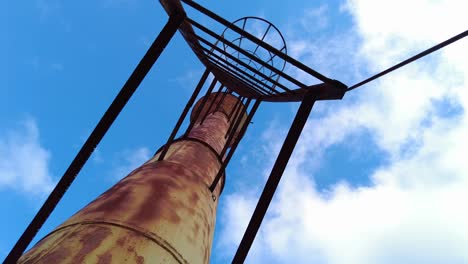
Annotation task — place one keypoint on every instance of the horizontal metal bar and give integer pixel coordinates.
(248, 82)
(247, 76)
(254, 39)
(250, 56)
(227, 75)
(237, 76)
(269, 79)
(232, 67)
(228, 78)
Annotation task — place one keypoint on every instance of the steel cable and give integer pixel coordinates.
(412, 59)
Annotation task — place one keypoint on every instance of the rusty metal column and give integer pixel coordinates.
(162, 212)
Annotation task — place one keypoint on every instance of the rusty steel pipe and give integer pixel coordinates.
(162, 212)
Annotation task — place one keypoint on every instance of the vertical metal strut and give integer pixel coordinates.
(184, 114)
(235, 128)
(202, 105)
(212, 103)
(234, 146)
(275, 177)
(241, 110)
(98, 133)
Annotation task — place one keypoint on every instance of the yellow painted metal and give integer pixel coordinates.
(162, 212)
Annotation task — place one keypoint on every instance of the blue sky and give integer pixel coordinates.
(377, 177)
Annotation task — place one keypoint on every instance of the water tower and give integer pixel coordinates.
(164, 211)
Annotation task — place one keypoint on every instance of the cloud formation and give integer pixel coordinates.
(24, 163)
(130, 160)
(413, 211)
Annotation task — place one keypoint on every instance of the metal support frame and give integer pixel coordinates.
(257, 41)
(221, 61)
(201, 106)
(237, 60)
(253, 90)
(250, 56)
(275, 177)
(98, 133)
(212, 103)
(234, 128)
(184, 114)
(240, 110)
(226, 91)
(259, 86)
(234, 146)
(234, 108)
(230, 76)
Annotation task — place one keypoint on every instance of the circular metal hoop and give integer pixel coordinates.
(266, 32)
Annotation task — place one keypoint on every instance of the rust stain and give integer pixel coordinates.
(226, 107)
(108, 202)
(55, 256)
(194, 199)
(168, 199)
(140, 259)
(121, 241)
(90, 241)
(105, 258)
(150, 209)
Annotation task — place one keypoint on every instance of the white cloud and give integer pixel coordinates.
(315, 16)
(129, 160)
(400, 27)
(24, 163)
(413, 212)
(332, 52)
